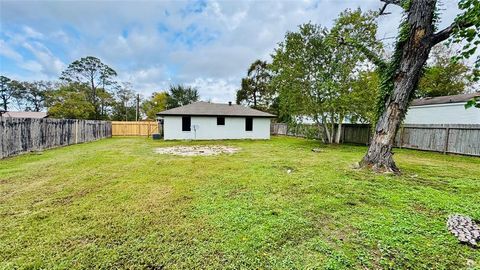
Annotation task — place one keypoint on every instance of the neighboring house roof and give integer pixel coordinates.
(25, 114)
(444, 99)
(214, 109)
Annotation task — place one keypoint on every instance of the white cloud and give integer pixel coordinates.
(32, 66)
(147, 81)
(231, 21)
(31, 33)
(60, 36)
(42, 63)
(215, 90)
(50, 64)
(7, 51)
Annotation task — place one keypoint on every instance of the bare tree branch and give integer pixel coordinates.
(387, 2)
(447, 32)
(382, 10)
(442, 35)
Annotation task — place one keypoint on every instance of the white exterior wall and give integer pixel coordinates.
(450, 113)
(206, 128)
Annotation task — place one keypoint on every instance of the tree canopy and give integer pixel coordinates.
(444, 77)
(180, 95)
(70, 101)
(255, 91)
(155, 104)
(94, 74)
(9, 91)
(34, 94)
(124, 107)
(314, 76)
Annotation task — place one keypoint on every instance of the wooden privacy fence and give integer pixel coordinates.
(457, 139)
(134, 128)
(19, 135)
(446, 138)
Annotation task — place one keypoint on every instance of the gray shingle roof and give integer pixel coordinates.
(444, 99)
(214, 109)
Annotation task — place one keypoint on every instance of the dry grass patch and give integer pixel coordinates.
(197, 150)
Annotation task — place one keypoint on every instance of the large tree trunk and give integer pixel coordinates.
(412, 53)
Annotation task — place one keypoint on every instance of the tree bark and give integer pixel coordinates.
(327, 136)
(320, 130)
(413, 52)
(339, 130)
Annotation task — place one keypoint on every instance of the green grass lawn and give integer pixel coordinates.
(116, 204)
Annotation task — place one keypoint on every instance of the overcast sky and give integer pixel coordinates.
(152, 44)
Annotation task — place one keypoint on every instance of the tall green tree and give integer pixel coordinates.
(298, 74)
(35, 94)
(5, 91)
(123, 108)
(443, 77)
(95, 75)
(155, 104)
(363, 97)
(180, 95)
(346, 64)
(106, 100)
(70, 101)
(314, 75)
(255, 91)
(9, 90)
(401, 74)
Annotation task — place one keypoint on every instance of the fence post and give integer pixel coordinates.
(76, 131)
(447, 135)
(401, 136)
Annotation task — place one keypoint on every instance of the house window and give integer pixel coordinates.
(220, 121)
(248, 124)
(186, 123)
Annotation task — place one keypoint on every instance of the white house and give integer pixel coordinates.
(213, 121)
(443, 110)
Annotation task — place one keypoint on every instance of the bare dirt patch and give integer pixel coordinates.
(197, 150)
